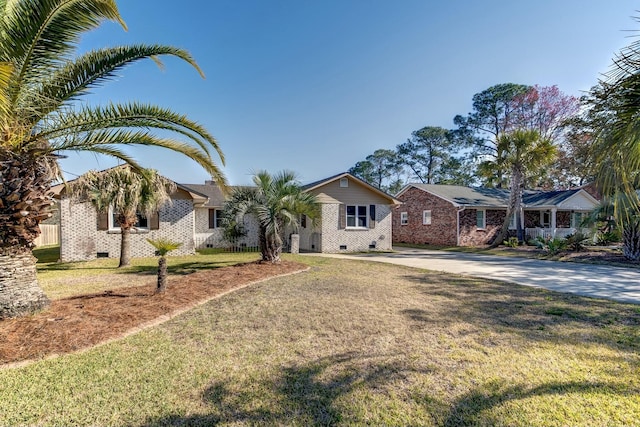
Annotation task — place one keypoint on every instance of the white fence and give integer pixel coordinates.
(50, 235)
(550, 233)
(238, 245)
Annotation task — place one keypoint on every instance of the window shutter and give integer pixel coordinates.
(212, 218)
(154, 221)
(342, 217)
(103, 221)
(372, 216)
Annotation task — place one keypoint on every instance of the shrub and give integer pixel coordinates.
(512, 242)
(605, 238)
(576, 242)
(551, 245)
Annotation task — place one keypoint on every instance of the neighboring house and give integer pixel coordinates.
(462, 216)
(355, 216)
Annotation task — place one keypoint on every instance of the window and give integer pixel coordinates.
(303, 221)
(344, 182)
(142, 222)
(577, 218)
(426, 217)
(356, 216)
(215, 218)
(404, 218)
(481, 219)
(545, 219)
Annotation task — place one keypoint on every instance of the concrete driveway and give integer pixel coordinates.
(616, 283)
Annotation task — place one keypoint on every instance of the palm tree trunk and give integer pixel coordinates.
(19, 290)
(24, 201)
(162, 275)
(515, 198)
(125, 247)
(631, 241)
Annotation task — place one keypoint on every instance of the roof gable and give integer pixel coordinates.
(325, 187)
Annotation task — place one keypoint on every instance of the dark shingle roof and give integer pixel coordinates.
(547, 198)
(468, 196)
(494, 197)
(211, 191)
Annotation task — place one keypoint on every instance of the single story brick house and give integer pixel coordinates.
(355, 217)
(455, 215)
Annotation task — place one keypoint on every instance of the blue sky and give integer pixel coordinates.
(315, 86)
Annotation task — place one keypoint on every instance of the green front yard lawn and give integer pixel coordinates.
(351, 343)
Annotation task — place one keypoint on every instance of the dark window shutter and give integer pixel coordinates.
(154, 221)
(372, 216)
(342, 217)
(212, 218)
(103, 221)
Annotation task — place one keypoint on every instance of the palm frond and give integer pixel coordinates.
(72, 80)
(133, 115)
(101, 141)
(38, 34)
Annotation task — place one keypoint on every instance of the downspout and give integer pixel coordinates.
(458, 225)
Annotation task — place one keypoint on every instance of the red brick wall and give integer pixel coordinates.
(442, 230)
(470, 235)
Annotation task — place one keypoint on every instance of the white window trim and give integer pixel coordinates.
(216, 218)
(116, 228)
(404, 218)
(484, 219)
(344, 182)
(542, 223)
(357, 227)
(426, 217)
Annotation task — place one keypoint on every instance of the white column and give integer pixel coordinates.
(553, 221)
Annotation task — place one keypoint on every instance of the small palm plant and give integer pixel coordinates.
(163, 247)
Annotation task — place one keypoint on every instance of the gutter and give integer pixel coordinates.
(458, 225)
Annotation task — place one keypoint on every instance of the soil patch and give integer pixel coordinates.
(83, 321)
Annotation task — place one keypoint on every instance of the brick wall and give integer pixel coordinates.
(355, 240)
(441, 231)
(471, 235)
(80, 240)
(206, 237)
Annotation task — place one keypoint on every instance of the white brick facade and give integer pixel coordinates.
(80, 240)
(206, 237)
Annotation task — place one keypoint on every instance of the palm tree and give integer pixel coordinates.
(525, 154)
(126, 193)
(42, 81)
(615, 104)
(276, 201)
(621, 205)
(163, 247)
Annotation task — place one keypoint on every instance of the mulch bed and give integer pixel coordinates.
(80, 322)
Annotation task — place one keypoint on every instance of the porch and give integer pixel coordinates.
(551, 233)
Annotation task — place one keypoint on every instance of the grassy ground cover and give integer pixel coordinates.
(353, 343)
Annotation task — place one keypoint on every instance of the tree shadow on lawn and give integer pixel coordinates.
(529, 312)
(305, 394)
(310, 394)
(473, 408)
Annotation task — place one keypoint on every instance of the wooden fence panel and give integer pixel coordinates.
(50, 235)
